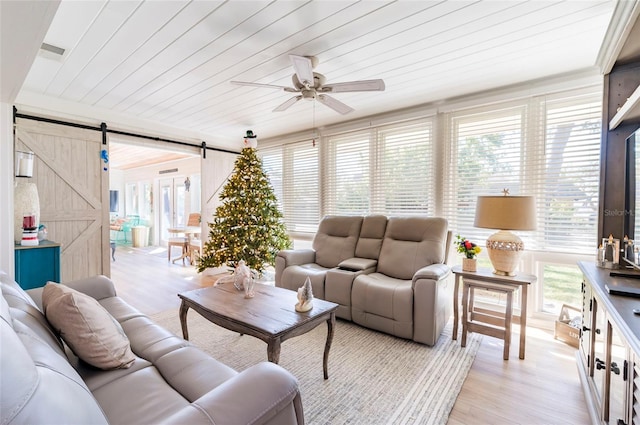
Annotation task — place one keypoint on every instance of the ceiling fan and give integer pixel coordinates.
(312, 86)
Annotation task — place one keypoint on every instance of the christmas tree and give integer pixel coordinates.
(248, 224)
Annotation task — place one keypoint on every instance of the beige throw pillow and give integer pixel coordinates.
(89, 330)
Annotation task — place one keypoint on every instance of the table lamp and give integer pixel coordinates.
(505, 213)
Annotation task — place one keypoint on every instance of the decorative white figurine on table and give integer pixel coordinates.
(243, 279)
(241, 275)
(305, 297)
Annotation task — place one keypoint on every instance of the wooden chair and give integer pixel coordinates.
(185, 241)
(195, 244)
(194, 219)
(195, 250)
(181, 241)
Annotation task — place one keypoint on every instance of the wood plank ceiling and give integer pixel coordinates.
(165, 66)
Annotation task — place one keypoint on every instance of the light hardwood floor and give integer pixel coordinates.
(542, 389)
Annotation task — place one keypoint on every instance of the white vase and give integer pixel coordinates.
(25, 202)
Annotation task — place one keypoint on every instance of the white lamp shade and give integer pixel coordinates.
(506, 212)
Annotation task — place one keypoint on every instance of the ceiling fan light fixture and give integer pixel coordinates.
(309, 94)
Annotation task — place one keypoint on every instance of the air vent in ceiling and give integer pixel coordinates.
(52, 49)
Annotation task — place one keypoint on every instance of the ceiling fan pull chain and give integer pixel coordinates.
(313, 126)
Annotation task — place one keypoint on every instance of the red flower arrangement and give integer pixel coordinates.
(466, 247)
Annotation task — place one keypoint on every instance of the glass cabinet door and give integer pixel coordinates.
(585, 336)
(599, 351)
(617, 378)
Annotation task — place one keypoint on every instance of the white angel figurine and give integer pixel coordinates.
(242, 275)
(305, 297)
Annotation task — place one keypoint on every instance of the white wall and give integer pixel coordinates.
(6, 189)
(22, 29)
(116, 182)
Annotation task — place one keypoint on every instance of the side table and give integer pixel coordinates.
(36, 265)
(500, 323)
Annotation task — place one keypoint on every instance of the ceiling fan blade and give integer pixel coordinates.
(353, 86)
(289, 103)
(334, 104)
(268, 86)
(303, 67)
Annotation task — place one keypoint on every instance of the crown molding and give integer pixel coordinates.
(624, 17)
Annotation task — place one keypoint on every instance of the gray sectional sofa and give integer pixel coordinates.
(168, 381)
(387, 274)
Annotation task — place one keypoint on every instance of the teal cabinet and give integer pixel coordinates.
(36, 265)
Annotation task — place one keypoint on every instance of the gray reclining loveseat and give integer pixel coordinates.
(387, 274)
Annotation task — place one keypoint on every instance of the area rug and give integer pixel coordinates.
(374, 378)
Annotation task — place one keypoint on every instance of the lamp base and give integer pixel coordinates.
(504, 249)
(25, 202)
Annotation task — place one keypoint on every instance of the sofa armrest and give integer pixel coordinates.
(434, 272)
(432, 302)
(292, 257)
(98, 287)
(296, 257)
(357, 264)
(262, 394)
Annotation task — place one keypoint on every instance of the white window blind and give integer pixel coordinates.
(404, 177)
(548, 148)
(347, 183)
(272, 166)
(570, 175)
(293, 171)
(382, 170)
(486, 151)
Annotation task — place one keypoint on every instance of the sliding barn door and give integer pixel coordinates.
(216, 168)
(73, 188)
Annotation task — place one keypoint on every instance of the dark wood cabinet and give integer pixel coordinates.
(609, 350)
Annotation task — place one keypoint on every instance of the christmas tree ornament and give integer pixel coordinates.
(250, 140)
(305, 297)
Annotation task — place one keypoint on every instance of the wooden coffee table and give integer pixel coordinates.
(269, 316)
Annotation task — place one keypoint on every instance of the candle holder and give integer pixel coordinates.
(24, 164)
(611, 254)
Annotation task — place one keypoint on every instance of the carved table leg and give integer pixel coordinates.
(273, 350)
(325, 360)
(454, 336)
(183, 320)
(465, 311)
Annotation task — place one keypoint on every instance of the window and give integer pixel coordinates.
(404, 178)
(384, 170)
(293, 171)
(568, 199)
(548, 147)
(486, 154)
(347, 188)
(131, 205)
